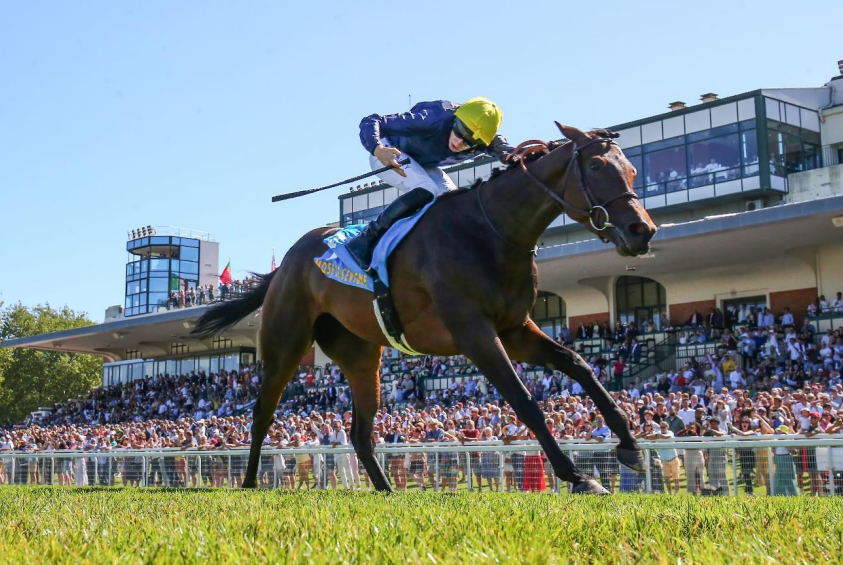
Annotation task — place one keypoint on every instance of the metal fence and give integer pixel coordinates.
(708, 466)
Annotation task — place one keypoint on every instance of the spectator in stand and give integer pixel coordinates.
(635, 351)
(716, 320)
(618, 368)
(837, 305)
(787, 318)
(823, 305)
(695, 320)
(565, 337)
(583, 332)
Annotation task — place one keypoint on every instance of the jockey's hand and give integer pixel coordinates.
(388, 156)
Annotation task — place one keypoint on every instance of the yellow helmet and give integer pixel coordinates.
(482, 117)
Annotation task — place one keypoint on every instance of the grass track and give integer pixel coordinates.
(70, 525)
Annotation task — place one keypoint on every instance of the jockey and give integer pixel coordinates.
(430, 135)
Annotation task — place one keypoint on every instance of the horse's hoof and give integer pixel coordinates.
(248, 485)
(631, 459)
(589, 486)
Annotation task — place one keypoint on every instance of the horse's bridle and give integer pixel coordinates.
(597, 213)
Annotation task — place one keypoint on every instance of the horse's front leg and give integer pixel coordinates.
(475, 337)
(529, 344)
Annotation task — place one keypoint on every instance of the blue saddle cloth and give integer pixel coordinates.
(336, 263)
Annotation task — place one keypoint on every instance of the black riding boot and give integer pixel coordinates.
(362, 247)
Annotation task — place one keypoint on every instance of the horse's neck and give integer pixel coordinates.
(518, 207)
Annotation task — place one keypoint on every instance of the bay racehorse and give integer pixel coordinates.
(463, 282)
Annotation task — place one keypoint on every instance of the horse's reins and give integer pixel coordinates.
(597, 214)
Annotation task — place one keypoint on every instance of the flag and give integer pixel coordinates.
(272, 268)
(174, 281)
(225, 277)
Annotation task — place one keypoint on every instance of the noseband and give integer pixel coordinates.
(597, 213)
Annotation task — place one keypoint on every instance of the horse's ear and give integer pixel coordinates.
(572, 133)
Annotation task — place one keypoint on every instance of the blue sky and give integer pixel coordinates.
(115, 115)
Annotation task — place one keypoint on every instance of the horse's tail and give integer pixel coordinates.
(222, 316)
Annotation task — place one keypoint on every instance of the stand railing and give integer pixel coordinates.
(791, 465)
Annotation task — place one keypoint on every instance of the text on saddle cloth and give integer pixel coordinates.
(337, 264)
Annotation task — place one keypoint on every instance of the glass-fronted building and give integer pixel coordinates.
(227, 359)
(161, 263)
(717, 149)
(726, 149)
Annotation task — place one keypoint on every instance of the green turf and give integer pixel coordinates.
(75, 525)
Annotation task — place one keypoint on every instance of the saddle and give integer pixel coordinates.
(337, 264)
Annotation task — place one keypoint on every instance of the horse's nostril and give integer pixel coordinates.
(639, 229)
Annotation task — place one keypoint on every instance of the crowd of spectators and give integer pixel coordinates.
(760, 380)
(208, 294)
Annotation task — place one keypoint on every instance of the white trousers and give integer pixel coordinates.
(355, 469)
(317, 471)
(432, 179)
(343, 469)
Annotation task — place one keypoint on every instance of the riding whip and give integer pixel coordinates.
(352, 179)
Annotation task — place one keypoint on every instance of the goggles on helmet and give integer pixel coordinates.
(462, 131)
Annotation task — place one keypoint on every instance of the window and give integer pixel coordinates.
(812, 159)
(549, 313)
(188, 267)
(189, 254)
(360, 202)
(751, 304)
(665, 170)
(467, 177)
(376, 198)
(786, 154)
(714, 160)
(158, 299)
(638, 299)
(159, 265)
(133, 287)
(389, 194)
(158, 285)
(483, 172)
(749, 152)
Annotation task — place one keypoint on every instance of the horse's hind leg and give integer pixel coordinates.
(360, 362)
(286, 334)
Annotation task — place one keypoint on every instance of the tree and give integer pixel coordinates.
(30, 378)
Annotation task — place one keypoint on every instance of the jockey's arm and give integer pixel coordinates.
(373, 127)
(500, 148)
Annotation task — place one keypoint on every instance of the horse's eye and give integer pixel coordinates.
(595, 165)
